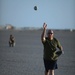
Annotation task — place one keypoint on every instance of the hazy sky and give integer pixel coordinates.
(58, 14)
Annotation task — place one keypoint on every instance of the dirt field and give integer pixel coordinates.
(26, 58)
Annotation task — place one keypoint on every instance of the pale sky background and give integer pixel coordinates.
(58, 14)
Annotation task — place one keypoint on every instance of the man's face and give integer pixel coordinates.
(50, 35)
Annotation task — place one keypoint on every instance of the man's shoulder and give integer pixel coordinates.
(45, 40)
(55, 39)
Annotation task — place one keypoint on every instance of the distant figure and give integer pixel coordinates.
(51, 53)
(11, 41)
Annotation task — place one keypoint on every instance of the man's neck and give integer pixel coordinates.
(51, 38)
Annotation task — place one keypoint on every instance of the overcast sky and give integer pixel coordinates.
(58, 14)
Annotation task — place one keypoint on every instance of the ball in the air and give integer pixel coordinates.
(35, 7)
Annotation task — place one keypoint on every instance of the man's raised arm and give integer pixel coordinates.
(44, 32)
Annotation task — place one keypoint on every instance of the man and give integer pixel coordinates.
(11, 41)
(50, 50)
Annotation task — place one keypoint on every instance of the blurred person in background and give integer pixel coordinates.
(11, 41)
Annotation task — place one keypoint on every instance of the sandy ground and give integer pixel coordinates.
(26, 58)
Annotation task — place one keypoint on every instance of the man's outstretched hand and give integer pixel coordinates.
(44, 25)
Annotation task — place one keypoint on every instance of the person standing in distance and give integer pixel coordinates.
(50, 56)
(11, 41)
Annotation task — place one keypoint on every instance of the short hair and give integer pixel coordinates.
(50, 32)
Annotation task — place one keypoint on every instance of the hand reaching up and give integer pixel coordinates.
(44, 25)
